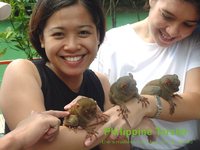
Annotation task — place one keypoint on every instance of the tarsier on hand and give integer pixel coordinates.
(164, 87)
(81, 115)
(123, 90)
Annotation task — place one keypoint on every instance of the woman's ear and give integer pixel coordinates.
(152, 3)
(98, 38)
(41, 41)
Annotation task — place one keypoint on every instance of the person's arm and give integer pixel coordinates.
(9, 142)
(107, 105)
(38, 125)
(21, 93)
(187, 107)
(115, 121)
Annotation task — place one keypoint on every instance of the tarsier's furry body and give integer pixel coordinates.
(82, 113)
(123, 90)
(164, 87)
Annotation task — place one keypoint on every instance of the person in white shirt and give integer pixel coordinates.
(163, 43)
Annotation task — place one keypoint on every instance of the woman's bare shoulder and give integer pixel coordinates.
(21, 68)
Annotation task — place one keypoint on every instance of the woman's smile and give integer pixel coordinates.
(73, 58)
(165, 39)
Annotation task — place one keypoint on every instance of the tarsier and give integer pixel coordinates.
(82, 113)
(123, 90)
(164, 87)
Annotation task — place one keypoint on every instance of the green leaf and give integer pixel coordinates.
(2, 52)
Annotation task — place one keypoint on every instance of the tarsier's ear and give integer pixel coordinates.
(77, 105)
(130, 75)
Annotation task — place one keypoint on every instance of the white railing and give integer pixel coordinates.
(2, 124)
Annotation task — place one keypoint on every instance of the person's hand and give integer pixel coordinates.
(100, 117)
(38, 126)
(148, 125)
(116, 122)
(104, 131)
(68, 106)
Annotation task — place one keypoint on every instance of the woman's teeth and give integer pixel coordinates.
(164, 37)
(77, 58)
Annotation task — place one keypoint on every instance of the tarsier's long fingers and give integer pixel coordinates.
(144, 101)
(91, 132)
(174, 95)
(123, 111)
(172, 107)
(102, 117)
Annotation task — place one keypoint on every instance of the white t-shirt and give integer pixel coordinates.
(123, 52)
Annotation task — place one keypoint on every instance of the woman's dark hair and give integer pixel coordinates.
(196, 3)
(46, 8)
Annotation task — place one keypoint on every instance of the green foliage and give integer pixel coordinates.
(16, 36)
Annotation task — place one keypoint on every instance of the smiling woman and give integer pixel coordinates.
(68, 41)
(174, 24)
(165, 42)
(74, 42)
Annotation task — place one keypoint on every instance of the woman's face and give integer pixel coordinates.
(70, 40)
(171, 20)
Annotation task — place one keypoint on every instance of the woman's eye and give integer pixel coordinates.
(166, 16)
(189, 25)
(58, 35)
(84, 33)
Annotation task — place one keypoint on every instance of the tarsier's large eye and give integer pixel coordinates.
(123, 86)
(168, 82)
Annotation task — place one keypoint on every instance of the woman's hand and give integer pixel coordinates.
(82, 108)
(148, 125)
(44, 125)
(136, 120)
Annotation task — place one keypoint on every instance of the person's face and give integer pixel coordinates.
(171, 21)
(70, 40)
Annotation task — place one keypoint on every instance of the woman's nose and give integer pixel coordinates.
(173, 30)
(71, 44)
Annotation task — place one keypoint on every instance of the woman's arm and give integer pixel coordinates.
(187, 107)
(25, 134)
(21, 93)
(9, 142)
(107, 105)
